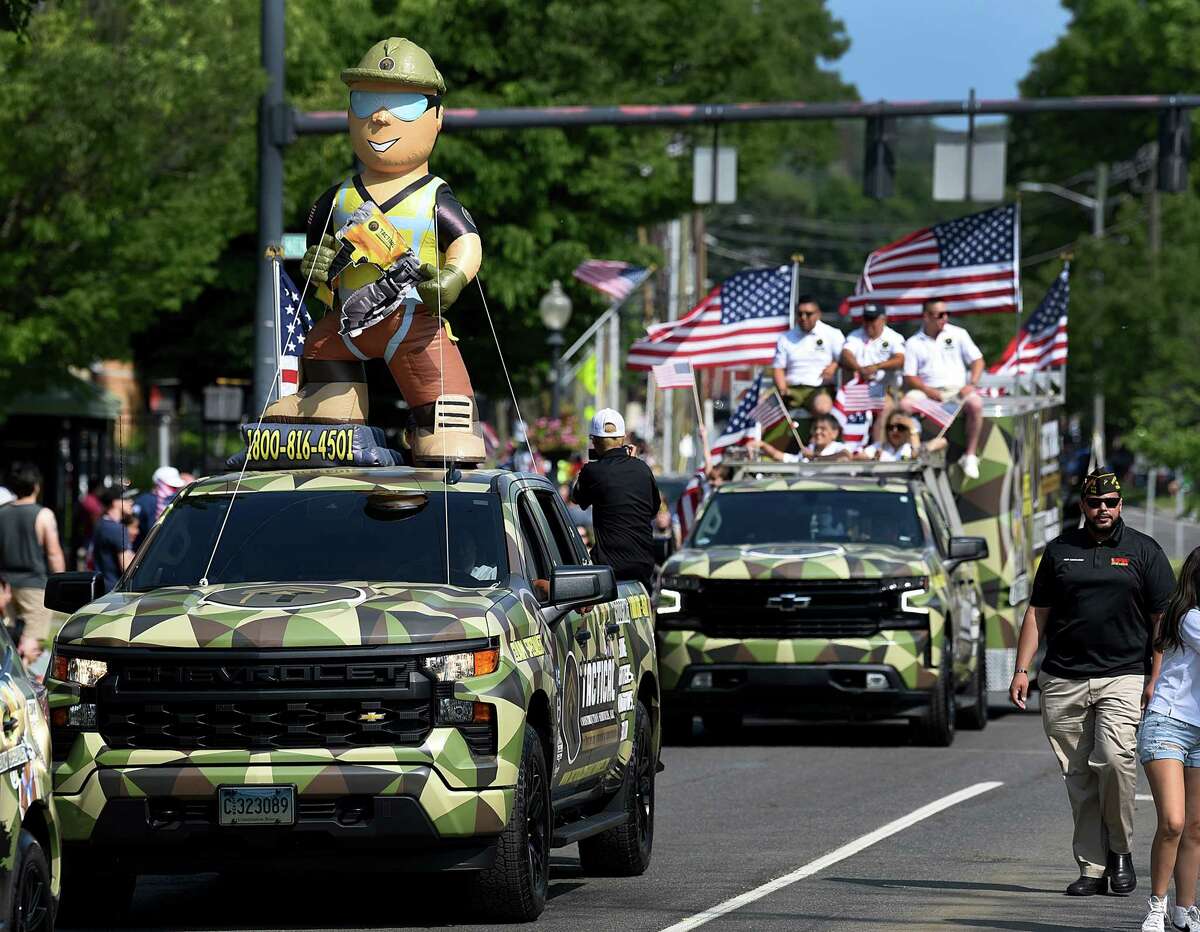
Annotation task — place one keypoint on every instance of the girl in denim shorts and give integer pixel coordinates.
(1169, 749)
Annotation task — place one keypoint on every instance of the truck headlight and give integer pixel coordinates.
(669, 602)
(447, 668)
(915, 597)
(82, 671)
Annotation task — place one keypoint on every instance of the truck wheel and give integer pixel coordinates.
(624, 851)
(31, 908)
(936, 727)
(515, 886)
(93, 890)
(975, 716)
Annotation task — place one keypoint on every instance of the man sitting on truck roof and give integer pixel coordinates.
(936, 360)
(875, 354)
(806, 360)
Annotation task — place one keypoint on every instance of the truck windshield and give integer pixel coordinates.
(844, 517)
(327, 537)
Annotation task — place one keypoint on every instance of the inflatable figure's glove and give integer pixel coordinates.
(318, 259)
(450, 281)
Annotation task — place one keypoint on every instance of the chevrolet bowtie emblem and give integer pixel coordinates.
(788, 602)
(371, 717)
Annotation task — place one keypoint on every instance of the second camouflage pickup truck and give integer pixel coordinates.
(826, 591)
(342, 688)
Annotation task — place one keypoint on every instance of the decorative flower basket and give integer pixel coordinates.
(556, 437)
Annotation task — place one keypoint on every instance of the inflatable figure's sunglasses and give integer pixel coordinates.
(403, 106)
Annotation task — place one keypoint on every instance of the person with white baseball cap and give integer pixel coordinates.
(149, 506)
(621, 491)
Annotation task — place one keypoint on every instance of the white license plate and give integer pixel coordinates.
(256, 805)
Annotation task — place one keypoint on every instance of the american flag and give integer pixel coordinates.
(674, 375)
(857, 396)
(744, 424)
(856, 425)
(690, 500)
(769, 411)
(972, 263)
(1042, 342)
(737, 323)
(615, 279)
(294, 323)
(941, 413)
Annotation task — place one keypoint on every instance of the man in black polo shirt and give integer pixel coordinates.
(1098, 594)
(621, 491)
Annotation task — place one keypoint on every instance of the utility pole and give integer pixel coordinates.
(273, 132)
(1099, 440)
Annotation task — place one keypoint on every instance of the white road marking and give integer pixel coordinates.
(833, 857)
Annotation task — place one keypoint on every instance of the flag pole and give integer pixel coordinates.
(797, 258)
(787, 416)
(277, 383)
(1017, 282)
(700, 421)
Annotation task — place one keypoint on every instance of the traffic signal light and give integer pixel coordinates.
(1174, 150)
(879, 168)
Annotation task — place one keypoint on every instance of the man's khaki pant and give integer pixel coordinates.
(1092, 727)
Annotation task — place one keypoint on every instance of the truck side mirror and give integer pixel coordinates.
(577, 586)
(966, 549)
(69, 592)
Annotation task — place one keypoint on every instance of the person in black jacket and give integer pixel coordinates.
(621, 491)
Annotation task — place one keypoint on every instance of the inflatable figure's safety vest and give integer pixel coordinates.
(413, 217)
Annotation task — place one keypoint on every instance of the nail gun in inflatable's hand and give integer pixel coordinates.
(318, 259)
(368, 237)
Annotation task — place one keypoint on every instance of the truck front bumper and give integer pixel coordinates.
(164, 818)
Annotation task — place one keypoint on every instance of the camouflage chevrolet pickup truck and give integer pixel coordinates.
(309, 672)
(826, 591)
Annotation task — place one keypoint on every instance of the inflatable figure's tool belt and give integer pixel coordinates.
(313, 446)
(369, 237)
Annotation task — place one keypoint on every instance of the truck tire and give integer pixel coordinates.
(94, 892)
(515, 886)
(975, 716)
(936, 727)
(31, 906)
(625, 851)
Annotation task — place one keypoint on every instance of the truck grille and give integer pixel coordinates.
(253, 705)
(792, 609)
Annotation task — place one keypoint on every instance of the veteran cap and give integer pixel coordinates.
(1101, 481)
(397, 61)
(872, 311)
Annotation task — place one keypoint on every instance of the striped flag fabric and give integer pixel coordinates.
(856, 425)
(292, 323)
(737, 324)
(769, 411)
(858, 396)
(941, 413)
(674, 375)
(690, 500)
(610, 277)
(972, 263)
(743, 426)
(1042, 342)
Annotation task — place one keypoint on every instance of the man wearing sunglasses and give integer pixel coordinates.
(875, 354)
(395, 114)
(942, 362)
(806, 360)
(1097, 597)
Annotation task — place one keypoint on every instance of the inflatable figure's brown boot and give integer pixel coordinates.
(332, 392)
(447, 431)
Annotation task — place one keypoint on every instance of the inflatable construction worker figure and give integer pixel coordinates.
(389, 251)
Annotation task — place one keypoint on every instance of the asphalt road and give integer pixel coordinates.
(735, 815)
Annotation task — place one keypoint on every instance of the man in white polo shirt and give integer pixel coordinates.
(875, 354)
(806, 360)
(936, 361)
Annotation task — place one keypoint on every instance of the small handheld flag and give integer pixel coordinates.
(293, 322)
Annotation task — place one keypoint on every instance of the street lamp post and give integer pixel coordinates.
(555, 310)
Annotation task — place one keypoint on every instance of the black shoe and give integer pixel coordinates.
(1088, 886)
(1121, 877)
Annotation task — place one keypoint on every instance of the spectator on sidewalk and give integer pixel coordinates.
(1097, 598)
(149, 506)
(112, 549)
(29, 552)
(936, 361)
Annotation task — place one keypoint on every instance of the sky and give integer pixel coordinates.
(940, 49)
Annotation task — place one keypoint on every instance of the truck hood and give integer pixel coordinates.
(268, 615)
(798, 561)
